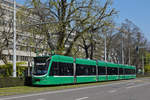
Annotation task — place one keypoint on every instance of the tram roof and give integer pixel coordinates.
(101, 63)
(61, 58)
(109, 64)
(85, 61)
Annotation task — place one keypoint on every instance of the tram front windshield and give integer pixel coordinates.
(41, 65)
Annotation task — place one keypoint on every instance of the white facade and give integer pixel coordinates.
(24, 51)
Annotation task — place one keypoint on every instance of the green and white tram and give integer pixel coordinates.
(57, 69)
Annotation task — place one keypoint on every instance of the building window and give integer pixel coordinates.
(11, 57)
(17, 58)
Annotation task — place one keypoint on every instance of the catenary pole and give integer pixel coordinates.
(143, 64)
(129, 56)
(122, 46)
(14, 40)
(105, 48)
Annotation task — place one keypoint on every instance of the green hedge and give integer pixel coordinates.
(10, 82)
(146, 74)
(7, 70)
(6, 79)
(147, 68)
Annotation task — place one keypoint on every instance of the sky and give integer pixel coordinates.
(137, 11)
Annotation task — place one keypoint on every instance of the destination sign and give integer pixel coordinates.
(40, 64)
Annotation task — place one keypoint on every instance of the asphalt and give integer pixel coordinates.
(136, 89)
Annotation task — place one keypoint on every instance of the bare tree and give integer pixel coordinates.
(130, 36)
(6, 34)
(66, 17)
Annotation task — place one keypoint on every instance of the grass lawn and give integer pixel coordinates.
(142, 76)
(30, 89)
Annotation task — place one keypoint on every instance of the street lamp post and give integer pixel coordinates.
(105, 48)
(143, 71)
(129, 56)
(14, 40)
(137, 49)
(105, 44)
(122, 46)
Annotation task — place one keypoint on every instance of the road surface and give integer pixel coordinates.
(136, 89)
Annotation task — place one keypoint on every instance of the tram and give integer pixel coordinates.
(58, 69)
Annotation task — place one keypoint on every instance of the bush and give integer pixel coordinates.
(147, 68)
(7, 70)
(10, 82)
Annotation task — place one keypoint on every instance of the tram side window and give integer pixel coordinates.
(131, 71)
(128, 71)
(91, 70)
(134, 71)
(61, 69)
(54, 69)
(121, 71)
(66, 69)
(85, 70)
(101, 70)
(112, 71)
(81, 70)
